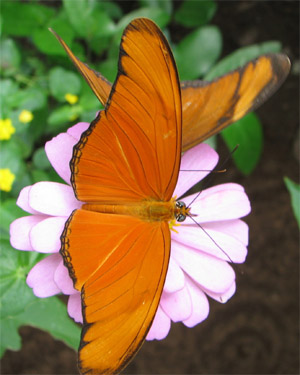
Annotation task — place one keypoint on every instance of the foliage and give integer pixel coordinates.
(36, 76)
(294, 190)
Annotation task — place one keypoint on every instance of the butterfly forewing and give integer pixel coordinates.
(132, 150)
(99, 84)
(208, 107)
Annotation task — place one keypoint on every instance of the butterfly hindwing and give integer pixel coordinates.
(120, 263)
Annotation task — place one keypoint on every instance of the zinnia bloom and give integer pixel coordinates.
(199, 263)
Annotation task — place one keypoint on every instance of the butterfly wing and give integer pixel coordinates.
(132, 150)
(130, 153)
(98, 83)
(120, 264)
(208, 107)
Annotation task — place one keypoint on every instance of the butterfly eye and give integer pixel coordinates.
(180, 217)
(180, 213)
(180, 204)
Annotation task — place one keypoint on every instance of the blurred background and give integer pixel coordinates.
(42, 94)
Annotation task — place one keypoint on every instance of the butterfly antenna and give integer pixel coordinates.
(204, 170)
(209, 236)
(207, 182)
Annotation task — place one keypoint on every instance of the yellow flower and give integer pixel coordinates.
(6, 179)
(25, 116)
(73, 117)
(6, 129)
(72, 99)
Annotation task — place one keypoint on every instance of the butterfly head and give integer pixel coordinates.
(181, 211)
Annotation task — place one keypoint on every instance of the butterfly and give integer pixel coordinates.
(125, 168)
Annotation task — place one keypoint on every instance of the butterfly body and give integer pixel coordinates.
(148, 210)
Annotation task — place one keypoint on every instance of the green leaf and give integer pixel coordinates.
(109, 68)
(247, 133)
(198, 51)
(48, 314)
(20, 19)
(240, 57)
(14, 292)
(113, 10)
(159, 16)
(39, 175)
(99, 44)
(63, 82)
(11, 156)
(10, 57)
(165, 5)
(40, 159)
(20, 307)
(32, 98)
(197, 13)
(88, 100)
(8, 88)
(294, 190)
(47, 43)
(62, 115)
(93, 21)
(9, 211)
(10, 338)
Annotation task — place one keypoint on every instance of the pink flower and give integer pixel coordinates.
(199, 257)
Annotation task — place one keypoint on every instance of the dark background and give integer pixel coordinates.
(257, 331)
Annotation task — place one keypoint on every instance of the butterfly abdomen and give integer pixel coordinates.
(149, 210)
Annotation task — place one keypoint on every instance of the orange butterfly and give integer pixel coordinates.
(125, 169)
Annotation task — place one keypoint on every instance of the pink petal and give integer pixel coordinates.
(220, 205)
(41, 276)
(53, 199)
(177, 305)
(235, 228)
(59, 152)
(200, 159)
(20, 231)
(74, 307)
(45, 235)
(213, 241)
(223, 297)
(210, 272)
(213, 190)
(63, 280)
(76, 130)
(160, 326)
(23, 200)
(175, 277)
(200, 305)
